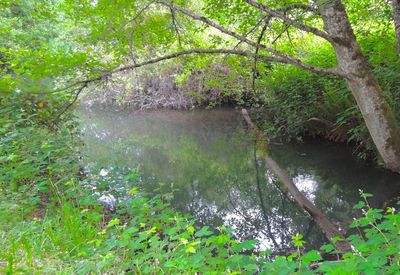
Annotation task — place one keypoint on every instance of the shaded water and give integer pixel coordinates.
(206, 158)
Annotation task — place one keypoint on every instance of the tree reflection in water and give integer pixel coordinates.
(208, 159)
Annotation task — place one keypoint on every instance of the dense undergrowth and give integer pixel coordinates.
(51, 224)
(301, 104)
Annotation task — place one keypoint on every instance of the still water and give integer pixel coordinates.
(206, 159)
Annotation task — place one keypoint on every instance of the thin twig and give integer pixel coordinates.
(175, 26)
(255, 57)
(66, 107)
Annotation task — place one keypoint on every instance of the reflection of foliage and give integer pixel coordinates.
(211, 169)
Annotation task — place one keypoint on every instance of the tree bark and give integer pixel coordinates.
(396, 20)
(376, 112)
(318, 217)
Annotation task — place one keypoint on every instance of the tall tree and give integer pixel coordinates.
(377, 114)
(396, 19)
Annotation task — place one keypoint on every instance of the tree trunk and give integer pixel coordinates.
(377, 114)
(396, 19)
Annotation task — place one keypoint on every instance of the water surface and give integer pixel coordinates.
(206, 159)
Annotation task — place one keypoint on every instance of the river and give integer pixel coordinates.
(205, 160)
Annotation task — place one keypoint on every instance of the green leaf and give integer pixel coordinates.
(359, 205)
(310, 257)
(366, 195)
(12, 157)
(113, 222)
(251, 267)
(328, 248)
(191, 229)
(133, 191)
(245, 245)
(190, 250)
(297, 240)
(203, 232)
(184, 241)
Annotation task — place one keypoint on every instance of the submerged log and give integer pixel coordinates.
(319, 218)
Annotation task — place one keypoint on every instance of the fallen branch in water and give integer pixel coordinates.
(319, 218)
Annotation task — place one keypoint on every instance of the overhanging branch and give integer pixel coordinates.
(289, 21)
(281, 55)
(264, 58)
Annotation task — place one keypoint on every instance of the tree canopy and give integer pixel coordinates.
(71, 40)
(69, 46)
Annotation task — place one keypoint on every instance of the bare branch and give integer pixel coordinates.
(256, 53)
(107, 74)
(174, 23)
(290, 21)
(78, 91)
(204, 51)
(288, 59)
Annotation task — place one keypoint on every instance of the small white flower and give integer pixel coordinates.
(355, 250)
(103, 172)
(364, 212)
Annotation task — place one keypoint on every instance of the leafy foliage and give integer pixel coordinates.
(51, 224)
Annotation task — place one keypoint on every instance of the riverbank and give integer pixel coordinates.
(51, 224)
(205, 159)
